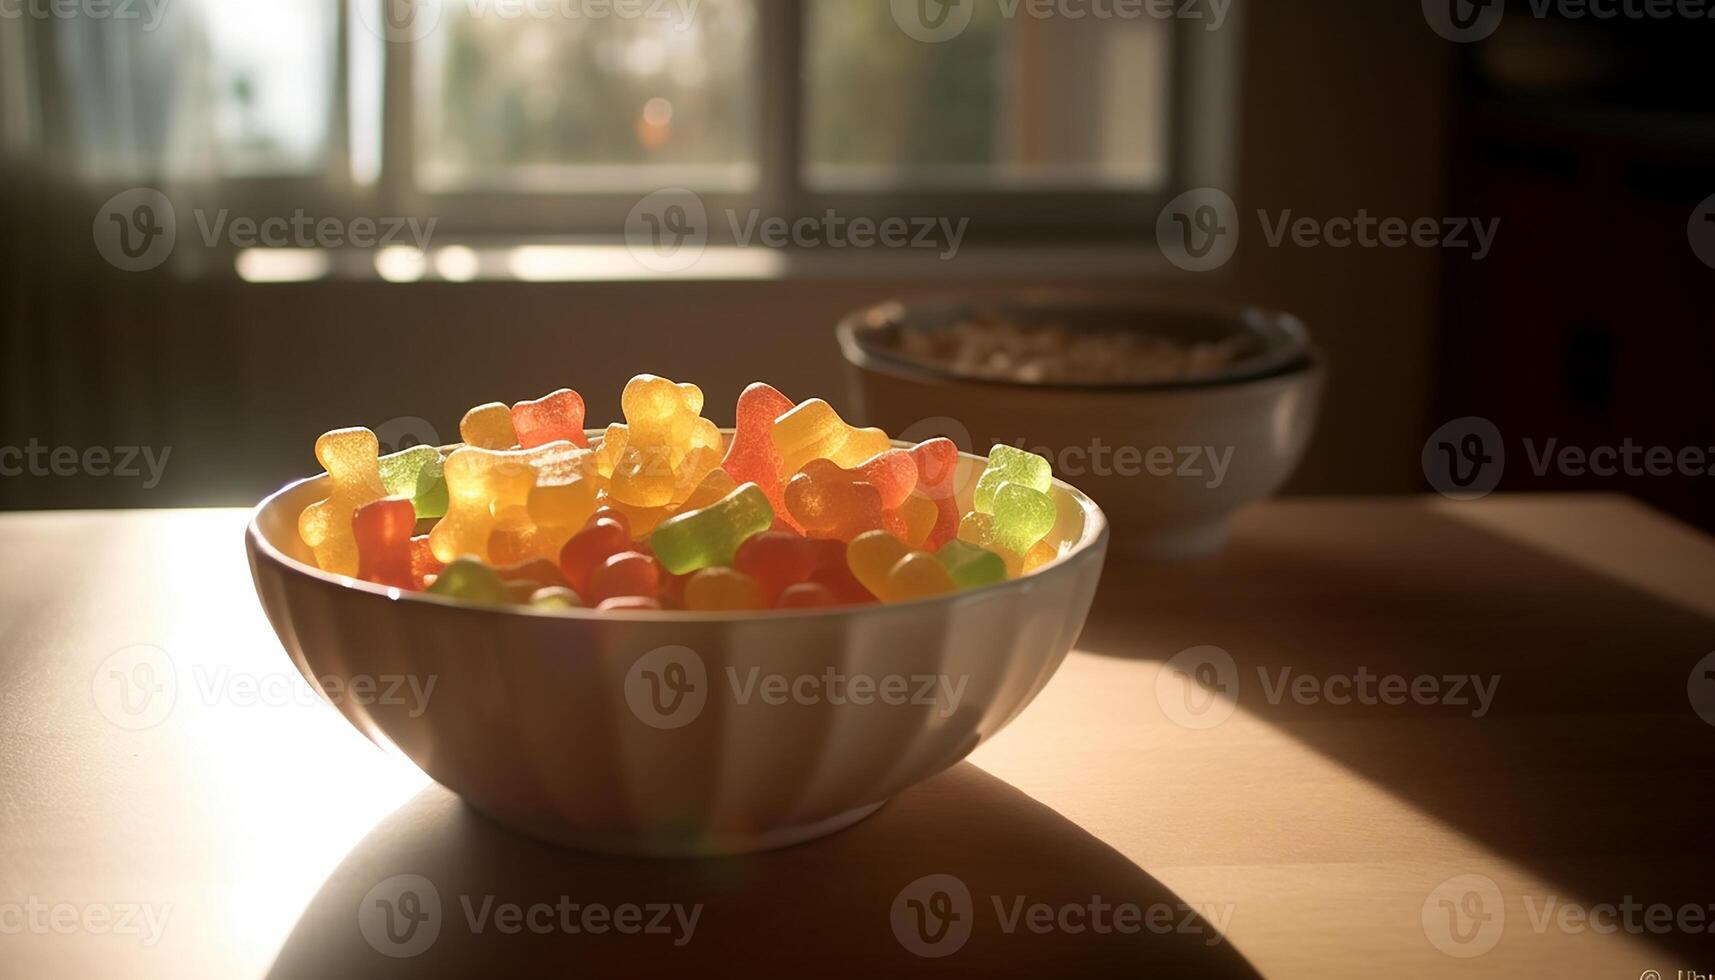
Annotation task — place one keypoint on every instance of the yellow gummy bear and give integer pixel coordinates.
(814, 430)
(487, 489)
(488, 427)
(350, 458)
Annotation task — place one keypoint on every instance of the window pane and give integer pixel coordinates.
(215, 88)
(550, 101)
(1029, 102)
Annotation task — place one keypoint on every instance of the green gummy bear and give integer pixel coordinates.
(971, 567)
(709, 537)
(416, 473)
(1022, 517)
(471, 580)
(1009, 465)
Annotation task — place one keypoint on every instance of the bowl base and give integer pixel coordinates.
(703, 846)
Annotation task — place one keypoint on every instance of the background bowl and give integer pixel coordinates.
(658, 733)
(1167, 462)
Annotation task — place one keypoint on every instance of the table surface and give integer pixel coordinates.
(1551, 818)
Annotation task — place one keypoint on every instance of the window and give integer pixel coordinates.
(554, 117)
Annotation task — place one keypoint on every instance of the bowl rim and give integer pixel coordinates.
(854, 332)
(1094, 538)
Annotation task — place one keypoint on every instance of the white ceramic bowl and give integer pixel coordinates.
(642, 732)
(1168, 463)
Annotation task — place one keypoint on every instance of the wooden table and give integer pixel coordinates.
(240, 834)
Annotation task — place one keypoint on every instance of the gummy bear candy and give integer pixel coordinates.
(937, 463)
(893, 474)
(487, 491)
(471, 580)
(600, 540)
(971, 566)
(871, 556)
(753, 457)
(628, 573)
(416, 473)
(917, 576)
(915, 520)
(382, 529)
(700, 538)
(1009, 465)
(555, 416)
(488, 427)
(563, 497)
(814, 430)
(423, 561)
(556, 598)
(830, 502)
(778, 560)
(806, 595)
(1022, 516)
(350, 457)
(722, 590)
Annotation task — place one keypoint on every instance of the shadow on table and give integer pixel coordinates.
(1589, 766)
(826, 908)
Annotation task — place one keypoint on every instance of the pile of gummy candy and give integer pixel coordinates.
(801, 510)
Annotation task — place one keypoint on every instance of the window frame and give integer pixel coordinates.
(1202, 88)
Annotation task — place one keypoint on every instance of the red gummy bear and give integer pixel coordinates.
(559, 415)
(937, 462)
(753, 457)
(383, 532)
